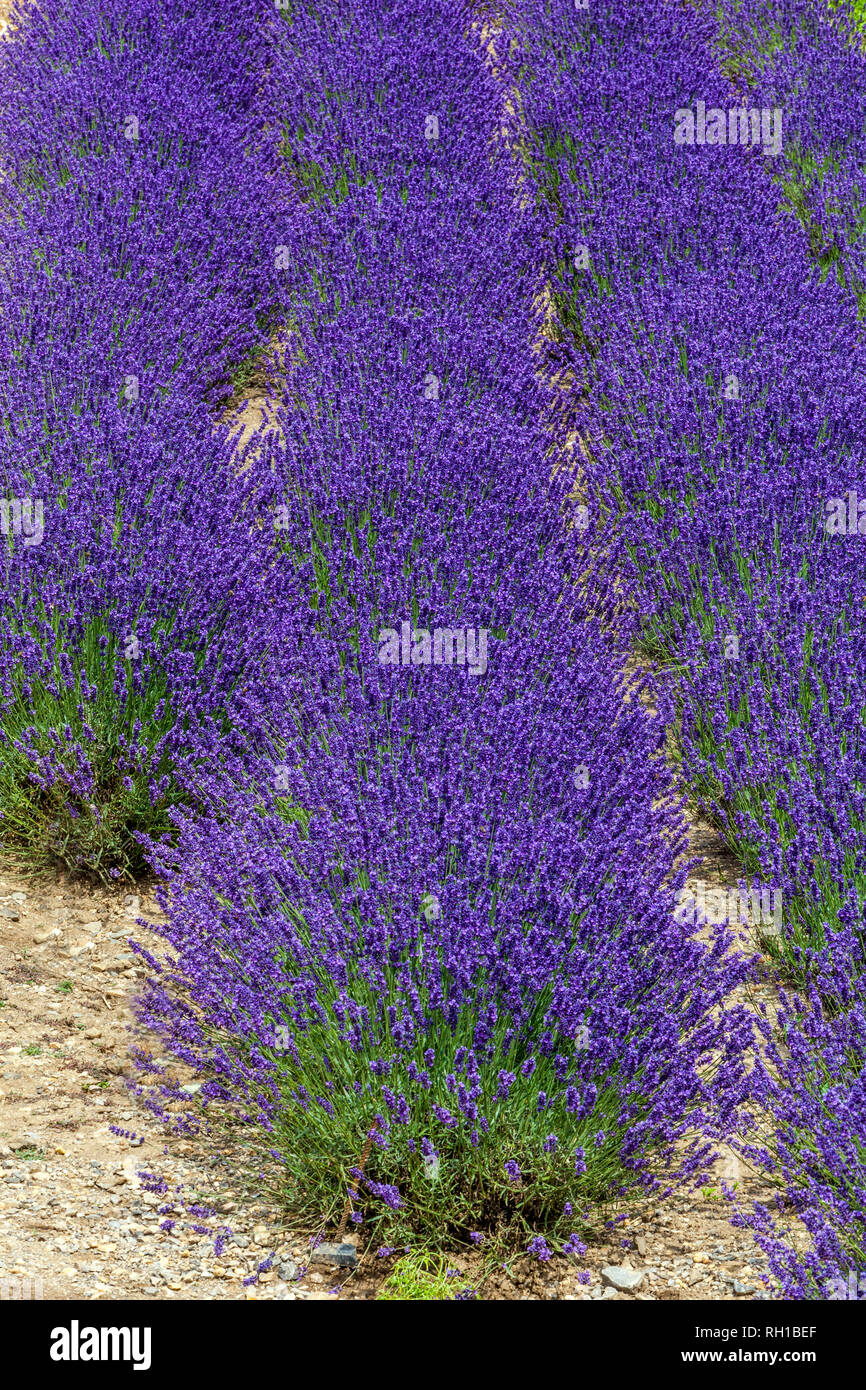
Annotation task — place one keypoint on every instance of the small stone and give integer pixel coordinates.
(40, 937)
(242, 1241)
(287, 1271)
(345, 1256)
(640, 1243)
(741, 1288)
(618, 1277)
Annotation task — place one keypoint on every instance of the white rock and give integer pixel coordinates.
(622, 1278)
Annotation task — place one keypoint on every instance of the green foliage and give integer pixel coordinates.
(468, 1188)
(419, 1276)
(98, 741)
(709, 606)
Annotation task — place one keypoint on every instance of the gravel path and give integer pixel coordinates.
(74, 1212)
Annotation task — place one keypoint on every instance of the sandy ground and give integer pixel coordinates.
(5, 12)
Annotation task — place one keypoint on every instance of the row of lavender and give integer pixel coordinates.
(423, 854)
(812, 59)
(438, 909)
(137, 270)
(712, 374)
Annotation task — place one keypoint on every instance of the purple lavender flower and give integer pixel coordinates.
(539, 1247)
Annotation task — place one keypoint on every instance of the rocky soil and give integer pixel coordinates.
(75, 1213)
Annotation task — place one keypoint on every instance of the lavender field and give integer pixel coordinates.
(432, 483)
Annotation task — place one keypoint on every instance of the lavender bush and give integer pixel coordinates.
(812, 1085)
(709, 359)
(134, 559)
(432, 927)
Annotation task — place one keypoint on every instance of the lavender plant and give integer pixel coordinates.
(432, 925)
(134, 558)
(709, 358)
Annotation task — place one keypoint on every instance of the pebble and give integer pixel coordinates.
(622, 1278)
(344, 1255)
